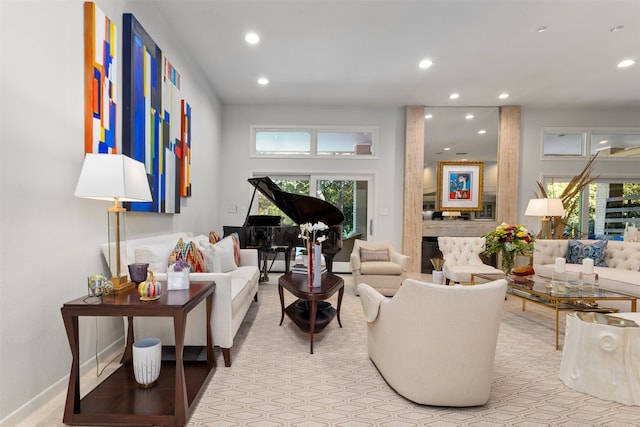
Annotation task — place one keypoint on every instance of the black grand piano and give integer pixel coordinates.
(265, 232)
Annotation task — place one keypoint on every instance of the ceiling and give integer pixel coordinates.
(366, 52)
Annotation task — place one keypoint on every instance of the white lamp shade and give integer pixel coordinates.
(544, 207)
(111, 177)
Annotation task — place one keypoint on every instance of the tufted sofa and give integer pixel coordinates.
(235, 290)
(622, 259)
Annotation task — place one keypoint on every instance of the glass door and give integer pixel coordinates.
(351, 196)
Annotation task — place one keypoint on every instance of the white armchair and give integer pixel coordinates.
(462, 258)
(378, 264)
(433, 344)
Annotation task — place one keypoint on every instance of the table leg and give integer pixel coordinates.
(557, 317)
(181, 403)
(281, 292)
(211, 359)
(72, 404)
(127, 356)
(340, 293)
(524, 302)
(633, 305)
(312, 321)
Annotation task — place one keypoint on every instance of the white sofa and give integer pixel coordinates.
(622, 273)
(235, 290)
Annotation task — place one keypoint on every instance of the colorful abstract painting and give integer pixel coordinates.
(171, 114)
(144, 131)
(100, 69)
(185, 132)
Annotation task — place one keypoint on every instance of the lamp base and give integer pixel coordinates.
(121, 284)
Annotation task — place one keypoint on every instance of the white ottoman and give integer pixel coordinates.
(601, 355)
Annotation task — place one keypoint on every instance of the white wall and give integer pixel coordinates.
(533, 168)
(49, 239)
(387, 167)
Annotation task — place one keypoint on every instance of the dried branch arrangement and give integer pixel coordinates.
(568, 196)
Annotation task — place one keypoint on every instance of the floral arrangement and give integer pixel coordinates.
(309, 232)
(509, 240)
(179, 265)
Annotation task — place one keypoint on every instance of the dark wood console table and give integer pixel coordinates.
(310, 321)
(118, 400)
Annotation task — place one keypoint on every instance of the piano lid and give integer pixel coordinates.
(301, 209)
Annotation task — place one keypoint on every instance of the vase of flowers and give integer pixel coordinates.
(311, 235)
(509, 240)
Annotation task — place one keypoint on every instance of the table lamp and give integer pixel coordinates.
(545, 209)
(451, 214)
(117, 178)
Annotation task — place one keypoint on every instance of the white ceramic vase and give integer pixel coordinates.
(147, 359)
(437, 277)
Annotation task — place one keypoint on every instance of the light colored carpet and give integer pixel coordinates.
(274, 381)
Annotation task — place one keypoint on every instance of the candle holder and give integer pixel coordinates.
(138, 272)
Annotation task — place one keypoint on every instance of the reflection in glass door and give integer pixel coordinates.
(351, 196)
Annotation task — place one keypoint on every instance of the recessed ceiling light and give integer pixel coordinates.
(446, 149)
(604, 141)
(263, 81)
(503, 95)
(469, 116)
(252, 38)
(542, 29)
(626, 63)
(428, 116)
(617, 28)
(454, 96)
(425, 63)
(482, 131)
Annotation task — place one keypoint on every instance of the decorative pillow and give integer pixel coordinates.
(223, 251)
(154, 255)
(190, 253)
(236, 247)
(577, 251)
(214, 237)
(213, 263)
(367, 255)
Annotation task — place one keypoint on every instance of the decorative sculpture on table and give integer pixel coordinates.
(150, 289)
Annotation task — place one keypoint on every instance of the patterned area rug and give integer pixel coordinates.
(274, 381)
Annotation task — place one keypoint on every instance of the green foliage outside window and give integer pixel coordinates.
(338, 193)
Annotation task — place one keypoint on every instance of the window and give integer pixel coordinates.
(602, 211)
(613, 143)
(350, 196)
(563, 143)
(292, 142)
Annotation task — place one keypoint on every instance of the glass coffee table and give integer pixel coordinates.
(537, 289)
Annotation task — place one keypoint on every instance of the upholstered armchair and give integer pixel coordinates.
(378, 264)
(434, 344)
(462, 258)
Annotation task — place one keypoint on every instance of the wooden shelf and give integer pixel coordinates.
(302, 319)
(118, 400)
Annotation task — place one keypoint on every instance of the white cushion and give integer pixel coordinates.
(157, 256)
(209, 255)
(223, 256)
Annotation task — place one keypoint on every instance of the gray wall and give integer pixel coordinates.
(49, 239)
(533, 168)
(386, 166)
